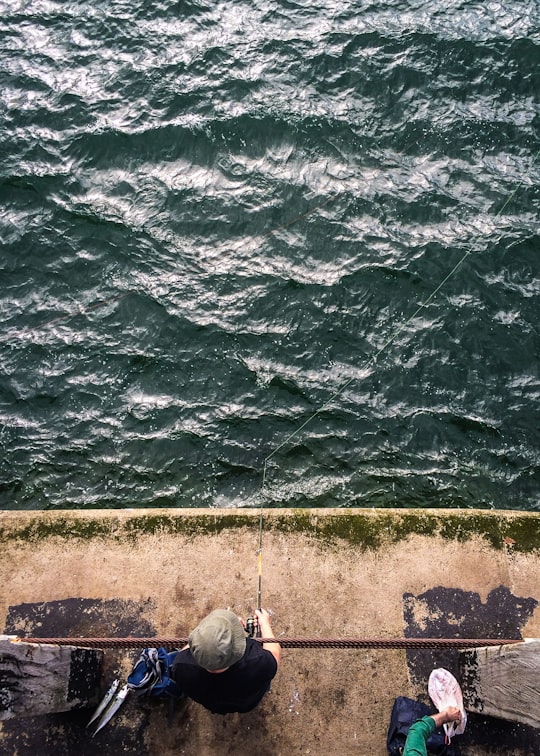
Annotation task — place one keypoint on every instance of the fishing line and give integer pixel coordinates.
(117, 298)
(371, 361)
(400, 328)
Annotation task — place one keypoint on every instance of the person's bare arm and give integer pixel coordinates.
(266, 632)
(451, 714)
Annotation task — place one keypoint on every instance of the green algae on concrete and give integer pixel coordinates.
(40, 528)
(364, 529)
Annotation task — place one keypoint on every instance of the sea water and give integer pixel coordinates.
(269, 253)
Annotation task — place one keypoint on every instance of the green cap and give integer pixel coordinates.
(218, 641)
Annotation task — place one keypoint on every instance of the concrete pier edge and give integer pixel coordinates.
(326, 573)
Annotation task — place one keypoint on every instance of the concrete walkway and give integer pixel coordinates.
(326, 573)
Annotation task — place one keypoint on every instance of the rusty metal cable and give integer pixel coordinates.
(407, 643)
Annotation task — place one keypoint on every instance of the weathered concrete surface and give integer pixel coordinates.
(326, 573)
(503, 681)
(41, 678)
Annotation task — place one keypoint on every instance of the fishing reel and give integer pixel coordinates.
(252, 627)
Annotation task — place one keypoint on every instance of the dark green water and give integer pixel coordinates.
(221, 221)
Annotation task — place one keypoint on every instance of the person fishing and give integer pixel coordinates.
(222, 668)
(419, 732)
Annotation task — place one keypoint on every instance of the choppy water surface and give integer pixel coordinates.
(224, 226)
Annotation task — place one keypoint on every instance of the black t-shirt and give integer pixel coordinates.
(239, 688)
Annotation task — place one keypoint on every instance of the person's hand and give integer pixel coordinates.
(451, 714)
(263, 618)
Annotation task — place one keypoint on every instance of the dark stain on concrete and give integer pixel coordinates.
(468, 678)
(66, 735)
(80, 617)
(84, 674)
(453, 613)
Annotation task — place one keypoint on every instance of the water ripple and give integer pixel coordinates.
(222, 223)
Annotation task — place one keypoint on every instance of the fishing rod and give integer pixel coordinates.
(259, 561)
(252, 626)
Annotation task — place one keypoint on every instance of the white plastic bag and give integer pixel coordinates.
(444, 691)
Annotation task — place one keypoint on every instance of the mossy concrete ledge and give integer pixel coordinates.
(325, 573)
(368, 529)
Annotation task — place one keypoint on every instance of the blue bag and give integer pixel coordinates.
(405, 713)
(151, 674)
